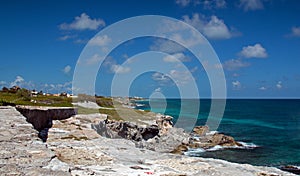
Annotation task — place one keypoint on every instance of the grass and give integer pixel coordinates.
(113, 109)
(7, 98)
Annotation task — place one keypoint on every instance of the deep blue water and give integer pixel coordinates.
(273, 125)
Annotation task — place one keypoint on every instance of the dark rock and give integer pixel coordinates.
(127, 130)
(291, 169)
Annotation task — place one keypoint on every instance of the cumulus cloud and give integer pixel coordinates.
(255, 51)
(213, 27)
(262, 88)
(3, 83)
(236, 85)
(181, 77)
(83, 22)
(94, 59)
(119, 69)
(279, 85)
(183, 3)
(100, 40)
(157, 89)
(235, 64)
(295, 32)
(160, 77)
(178, 57)
(166, 46)
(17, 81)
(206, 4)
(66, 37)
(67, 69)
(248, 5)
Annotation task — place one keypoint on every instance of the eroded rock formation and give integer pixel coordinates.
(41, 117)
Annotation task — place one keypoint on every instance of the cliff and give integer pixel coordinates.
(74, 148)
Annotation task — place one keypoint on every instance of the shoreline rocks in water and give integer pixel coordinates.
(162, 136)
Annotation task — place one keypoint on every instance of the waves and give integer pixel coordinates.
(243, 145)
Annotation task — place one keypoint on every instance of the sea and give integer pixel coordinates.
(269, 127)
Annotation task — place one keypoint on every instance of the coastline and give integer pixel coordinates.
(74, 148)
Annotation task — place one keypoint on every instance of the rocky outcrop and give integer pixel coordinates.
(164, 123)
(41, 117)
(162, 137)
(119, 129)
(74, 148)
(21, 152)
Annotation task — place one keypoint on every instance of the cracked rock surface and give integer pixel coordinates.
(74, 148)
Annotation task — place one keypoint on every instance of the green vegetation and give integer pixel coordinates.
(114, 109)
(23, 97)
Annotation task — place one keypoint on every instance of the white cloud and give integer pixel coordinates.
(83, 22)
(94, 59)
(3, 83)
(157, 89)
(119, 69)
(236, 85)
(67, 69)
(213, 28)
(256, 51)
(235, 64)
(251, 4)
(160, 77)
(17, 81)
(66, 37)
(181, 77)
(100, 40)
(166, 46)
(178, 57)
(56, 88)
(295, 32)
(207, 4)
(263, 88)
(279, 85)
(183, 3)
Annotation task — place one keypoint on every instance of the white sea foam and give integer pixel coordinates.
(194, 152)
(211, 132)
(244, 145)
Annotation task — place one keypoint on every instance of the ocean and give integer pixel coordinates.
(272, 125)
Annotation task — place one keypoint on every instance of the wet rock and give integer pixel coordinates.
(292, 169)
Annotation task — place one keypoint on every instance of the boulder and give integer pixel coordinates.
(127, 130)
(168, 142)
(201, 130)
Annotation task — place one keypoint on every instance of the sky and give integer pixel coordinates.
(257, 43)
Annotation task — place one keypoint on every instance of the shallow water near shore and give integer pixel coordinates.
(273, 125)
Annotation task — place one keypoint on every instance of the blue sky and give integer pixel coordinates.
(257, 42)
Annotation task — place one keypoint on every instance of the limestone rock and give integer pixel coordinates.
(201, 130)
(164, 123)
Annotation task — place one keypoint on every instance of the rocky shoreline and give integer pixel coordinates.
(75, 148)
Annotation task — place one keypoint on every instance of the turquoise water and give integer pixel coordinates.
(273, 125)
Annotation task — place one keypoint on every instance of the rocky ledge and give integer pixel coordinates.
(162, 137)
(74, 148)
(41, 117)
